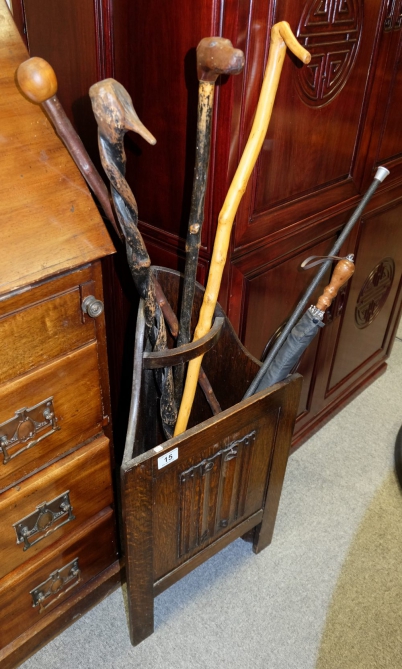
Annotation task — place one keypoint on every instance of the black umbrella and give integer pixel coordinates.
(293, 340)
(306, 329)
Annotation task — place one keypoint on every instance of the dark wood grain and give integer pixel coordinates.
(47, 628)
(94, 545)
(72, 474)
(176, 515)
(73, 383)
(136, 491)
(185, 352)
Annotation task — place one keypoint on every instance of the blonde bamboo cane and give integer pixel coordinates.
(281, 37)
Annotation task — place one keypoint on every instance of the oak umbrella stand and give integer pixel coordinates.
(187, 498)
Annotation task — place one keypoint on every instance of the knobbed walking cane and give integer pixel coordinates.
(37, 80)
(264, 378)
(115, 115)
(281, 37)
(215, 56)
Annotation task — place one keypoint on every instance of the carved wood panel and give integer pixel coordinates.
(219, 479)
(213, 493)
(391, 136)
(372, 305)
(308, 161)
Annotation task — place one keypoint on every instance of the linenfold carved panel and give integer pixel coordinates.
(331, 31)
(213, 493)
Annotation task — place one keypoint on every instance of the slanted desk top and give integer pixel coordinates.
(48, 220)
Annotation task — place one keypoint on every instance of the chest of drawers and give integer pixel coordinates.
(57, 520)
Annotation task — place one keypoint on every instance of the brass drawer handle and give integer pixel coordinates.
(59, 582)
(92, 306)
(24, 426)
(44, 520)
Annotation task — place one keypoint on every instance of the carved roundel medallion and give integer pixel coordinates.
(331, 31)
(374, 293)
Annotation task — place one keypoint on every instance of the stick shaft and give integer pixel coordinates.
(238, 186)
(193, 240)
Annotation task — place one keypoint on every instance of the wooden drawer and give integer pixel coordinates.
(79, 559)
(42, 332)
(54, 503)
(73, 384)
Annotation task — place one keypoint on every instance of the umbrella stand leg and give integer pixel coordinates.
(281, 37)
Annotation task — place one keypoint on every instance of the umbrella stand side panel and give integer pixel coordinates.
(187, 498)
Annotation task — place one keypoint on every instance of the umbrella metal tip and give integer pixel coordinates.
(381, 174)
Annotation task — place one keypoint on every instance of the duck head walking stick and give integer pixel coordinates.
(215, 56)
(281, 37)
(115, 115)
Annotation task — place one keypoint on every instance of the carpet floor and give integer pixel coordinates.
(327, 594)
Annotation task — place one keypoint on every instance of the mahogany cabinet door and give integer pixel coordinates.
(371, 312)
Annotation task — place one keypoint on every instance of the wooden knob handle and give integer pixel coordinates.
(215, 56)
(282, 31)
(37, 80)
(342, 273)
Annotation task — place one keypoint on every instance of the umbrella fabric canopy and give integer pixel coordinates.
(291, 351)
(379, 176)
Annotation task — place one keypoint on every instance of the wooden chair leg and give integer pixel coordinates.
(137, 523)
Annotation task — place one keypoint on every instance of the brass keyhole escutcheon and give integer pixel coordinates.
(26, 430)
(45, 520)
(56, 585)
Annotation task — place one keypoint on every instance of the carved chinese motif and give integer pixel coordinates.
(330, 30)
(374, 293)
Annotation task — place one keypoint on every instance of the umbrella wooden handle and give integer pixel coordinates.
(281, 37)
(342, 273)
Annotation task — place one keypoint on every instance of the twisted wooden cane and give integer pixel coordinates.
(115, 115)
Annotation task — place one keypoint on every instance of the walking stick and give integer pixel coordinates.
(259, 381)
(38, 82)
(281, 37)
(115, 115)
(215, 56)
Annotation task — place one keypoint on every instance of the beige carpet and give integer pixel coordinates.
(363, 628)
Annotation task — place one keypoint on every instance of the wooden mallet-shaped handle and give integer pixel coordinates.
(281, 37)
(343, 271)
(37, 80)
(215, 56)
